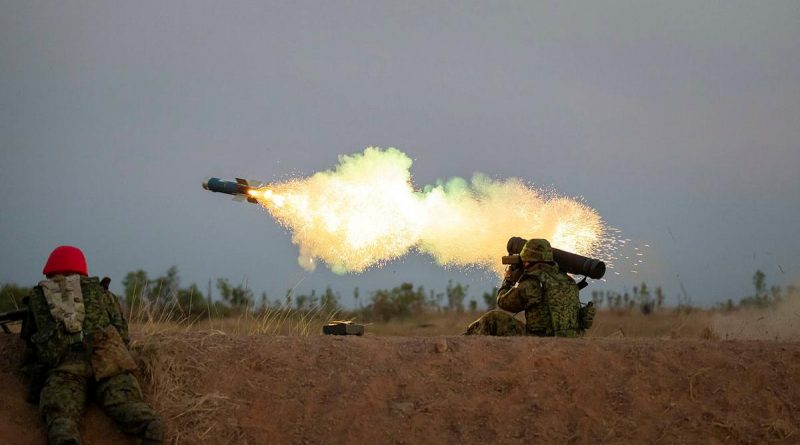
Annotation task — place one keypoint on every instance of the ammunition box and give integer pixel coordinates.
(343, 328)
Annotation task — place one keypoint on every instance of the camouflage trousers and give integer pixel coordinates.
(503, 324)
(63, 400)
(496, 323)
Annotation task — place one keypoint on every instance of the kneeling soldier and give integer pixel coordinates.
(548, 296)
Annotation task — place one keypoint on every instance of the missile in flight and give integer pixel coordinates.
(241, 189)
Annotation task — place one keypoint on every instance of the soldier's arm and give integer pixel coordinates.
(512, 299)
(518, 297)
(115, 314)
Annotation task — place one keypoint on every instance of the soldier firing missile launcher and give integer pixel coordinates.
(241, 190)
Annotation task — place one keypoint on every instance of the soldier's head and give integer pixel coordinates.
(65, 260)
(536, 251)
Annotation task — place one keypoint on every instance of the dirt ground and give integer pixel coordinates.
(219, 388)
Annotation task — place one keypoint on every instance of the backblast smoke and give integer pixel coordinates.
(366, 212)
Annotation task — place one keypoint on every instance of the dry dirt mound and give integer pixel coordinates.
(216, 388)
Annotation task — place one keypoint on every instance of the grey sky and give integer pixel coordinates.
(678, 121)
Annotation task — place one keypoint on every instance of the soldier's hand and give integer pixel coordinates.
(514, 273)
(510, 271)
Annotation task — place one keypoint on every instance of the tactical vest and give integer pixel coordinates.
(560, 301)
(54, 337)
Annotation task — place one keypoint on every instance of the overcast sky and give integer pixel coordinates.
(678, 121)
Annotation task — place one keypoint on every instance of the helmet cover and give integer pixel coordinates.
(65, 260)
(536, 250)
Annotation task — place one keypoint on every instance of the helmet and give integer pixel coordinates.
(536, 250)
(66, 260)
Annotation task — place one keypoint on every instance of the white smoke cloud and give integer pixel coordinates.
(366, 211)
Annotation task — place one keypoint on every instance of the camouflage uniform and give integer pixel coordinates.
(90, 357)
(548, 296)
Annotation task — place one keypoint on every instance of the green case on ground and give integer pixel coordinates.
(343, 328)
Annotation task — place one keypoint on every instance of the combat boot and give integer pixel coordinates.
(62, 431)
(153, 433)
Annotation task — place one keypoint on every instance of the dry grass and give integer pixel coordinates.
(665, 324)
(271, 321)
(170, 364)
(174, 351)
(430, 324)
(176, 355)
(782, 323)
(773, 323)
(209, 384)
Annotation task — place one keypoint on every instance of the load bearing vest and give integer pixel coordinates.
(65, 301)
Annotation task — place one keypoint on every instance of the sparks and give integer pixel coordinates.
(367, 212)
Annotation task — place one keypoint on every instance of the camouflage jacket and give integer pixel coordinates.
(50, 340)
(549, 298)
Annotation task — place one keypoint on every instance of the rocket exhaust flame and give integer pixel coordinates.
(366, 212)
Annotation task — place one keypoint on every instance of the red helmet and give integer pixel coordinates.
(66, 260)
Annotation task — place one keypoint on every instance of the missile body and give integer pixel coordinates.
(241, 190)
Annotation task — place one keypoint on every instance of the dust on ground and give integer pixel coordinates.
(779, 322)
(219, 388)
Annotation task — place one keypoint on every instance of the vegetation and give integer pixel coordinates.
(763, 298)
(164, 294)
(642, 300)
(11, 296)
(158, 303)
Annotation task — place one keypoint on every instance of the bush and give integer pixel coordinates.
(11, 296)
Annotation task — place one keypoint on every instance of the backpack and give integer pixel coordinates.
(560, 298)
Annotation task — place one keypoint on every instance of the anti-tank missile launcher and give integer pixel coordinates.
(567, 261)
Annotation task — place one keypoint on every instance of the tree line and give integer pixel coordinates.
(647, 302)
(406, 300)
(164, 294)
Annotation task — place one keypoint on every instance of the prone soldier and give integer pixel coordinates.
(78, 343)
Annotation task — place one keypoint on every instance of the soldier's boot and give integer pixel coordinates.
(153, 433)
(63, 431)
(121, 398)
(481, 326)
(473, 328)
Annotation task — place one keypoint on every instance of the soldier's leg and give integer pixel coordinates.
(121, 398)
(62, 401)
(496, 323)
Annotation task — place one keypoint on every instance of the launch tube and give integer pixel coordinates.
(568, 262)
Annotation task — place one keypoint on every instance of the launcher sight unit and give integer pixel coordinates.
(567, 261)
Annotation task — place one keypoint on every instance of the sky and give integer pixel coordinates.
(679, 122)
